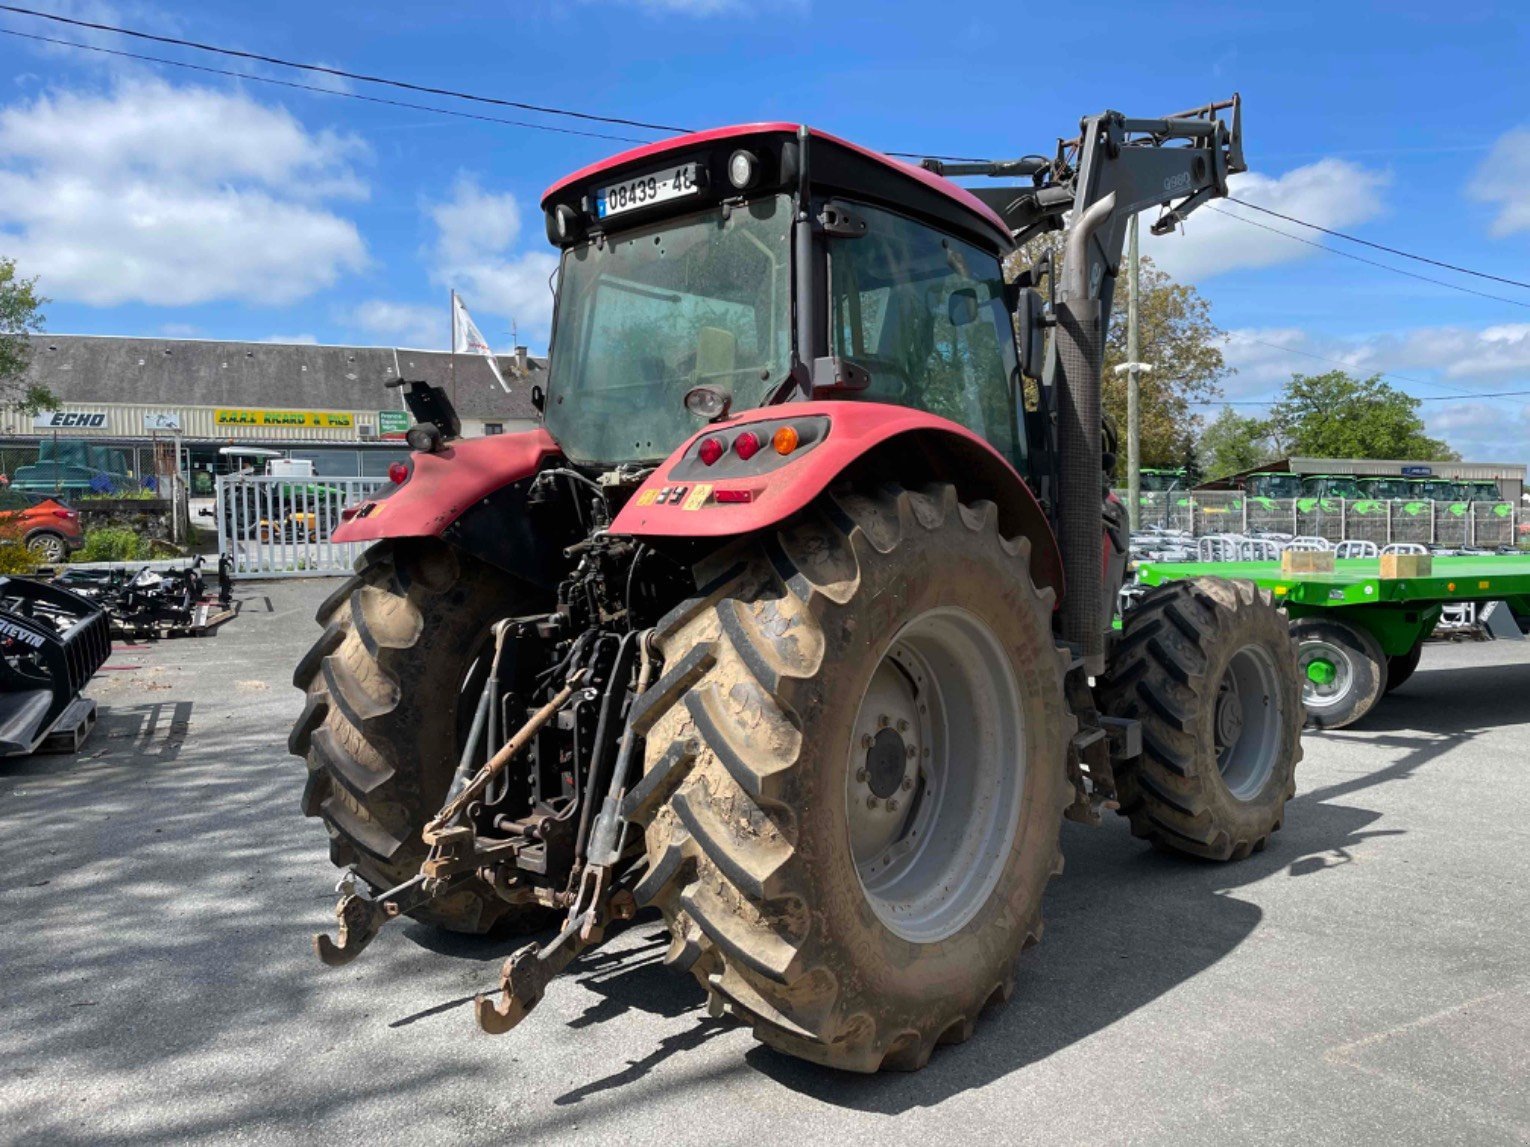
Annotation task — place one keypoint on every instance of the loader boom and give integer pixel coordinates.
(1113, 169)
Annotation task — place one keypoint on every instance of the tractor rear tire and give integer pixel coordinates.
(1401, 667)
(880, 666)
(1208, 667)
(1351, 659)
(380, 723)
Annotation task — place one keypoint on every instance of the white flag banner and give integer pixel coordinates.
(468, 339)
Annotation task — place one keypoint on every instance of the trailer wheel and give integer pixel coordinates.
(1344, 671)
(1208, 668)
(1401, 667)
(855, 776)
(386, 712)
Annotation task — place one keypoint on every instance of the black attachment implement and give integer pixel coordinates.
(52, 642)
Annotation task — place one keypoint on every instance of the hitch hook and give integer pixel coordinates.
(361, 918)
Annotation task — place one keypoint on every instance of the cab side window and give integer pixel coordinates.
(924, 314)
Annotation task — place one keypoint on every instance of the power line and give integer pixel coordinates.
(1462, 391)
(340, 73)
(1351, 366)
(1416, 398)
(344, 74)
(318, 90)
(1383, 247)
(1363, 259)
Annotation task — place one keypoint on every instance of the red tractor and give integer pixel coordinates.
(793, 620)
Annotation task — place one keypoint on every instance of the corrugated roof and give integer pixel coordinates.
(200, 372)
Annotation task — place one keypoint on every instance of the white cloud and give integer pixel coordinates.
(1475, 358)
(291, 340)
(174, 196)
(1332, 193)
(403, 324)
(1504, 180)
(475, 233)
(1432, 362)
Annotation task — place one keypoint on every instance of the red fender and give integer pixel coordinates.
(442, 486)
(680, 499)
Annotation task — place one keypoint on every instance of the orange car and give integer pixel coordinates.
(48, 528)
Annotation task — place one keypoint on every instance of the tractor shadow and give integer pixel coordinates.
(1125, 924)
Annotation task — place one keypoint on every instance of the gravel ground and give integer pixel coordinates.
(1365, 979)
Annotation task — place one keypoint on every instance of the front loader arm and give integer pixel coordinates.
(1099, 180)
(1177, 162)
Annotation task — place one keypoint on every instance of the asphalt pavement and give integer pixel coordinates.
(1366, 979)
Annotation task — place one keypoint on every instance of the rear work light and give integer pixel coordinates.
(747, 445)
(710, 451)
(398, 473)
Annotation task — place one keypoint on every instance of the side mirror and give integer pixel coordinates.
(1032, 317)
(962, 307)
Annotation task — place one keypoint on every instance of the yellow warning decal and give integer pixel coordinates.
(697, 497)
(646, 498)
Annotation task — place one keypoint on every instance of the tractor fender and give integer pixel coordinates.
(684, 499)
(441, 487)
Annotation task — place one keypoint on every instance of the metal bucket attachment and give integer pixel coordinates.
(52, 642)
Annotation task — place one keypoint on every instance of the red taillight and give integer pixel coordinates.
(68, 515)
(398, 473)
(747, 445)
(733, 496)
(711, 450)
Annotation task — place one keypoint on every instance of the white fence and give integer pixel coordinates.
(1485, 524)
(283, 527)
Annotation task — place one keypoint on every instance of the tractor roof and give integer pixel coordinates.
(834, 165)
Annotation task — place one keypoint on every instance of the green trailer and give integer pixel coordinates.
(1360, 634)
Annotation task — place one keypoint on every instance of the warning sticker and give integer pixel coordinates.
(697, 497)
(646, 498)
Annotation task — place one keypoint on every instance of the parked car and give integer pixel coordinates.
(46, 526)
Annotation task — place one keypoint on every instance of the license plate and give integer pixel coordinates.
(646, 190)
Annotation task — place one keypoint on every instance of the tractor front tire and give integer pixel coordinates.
(380, 726)
(1208, 667)
(855, 774)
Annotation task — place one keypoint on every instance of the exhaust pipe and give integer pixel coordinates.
(1080, 354)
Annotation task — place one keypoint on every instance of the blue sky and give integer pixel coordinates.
(155, 200)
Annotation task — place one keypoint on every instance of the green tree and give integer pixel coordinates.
(1335, 415)
(20, 317)
(1176, 334)
(1235, 442)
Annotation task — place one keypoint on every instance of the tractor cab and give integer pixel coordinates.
(1439, 490)
(1272, 486)
(1387, 489)
(1483, 491)
(727, 270)
(1342, 486)
(1156, 481)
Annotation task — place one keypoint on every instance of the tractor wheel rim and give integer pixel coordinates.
(1327, 675)
(1247, 721)
(935, 775)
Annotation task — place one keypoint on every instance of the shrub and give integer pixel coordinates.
(15, 558)
(110, 544)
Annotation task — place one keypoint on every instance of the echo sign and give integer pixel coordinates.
(69, 420)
